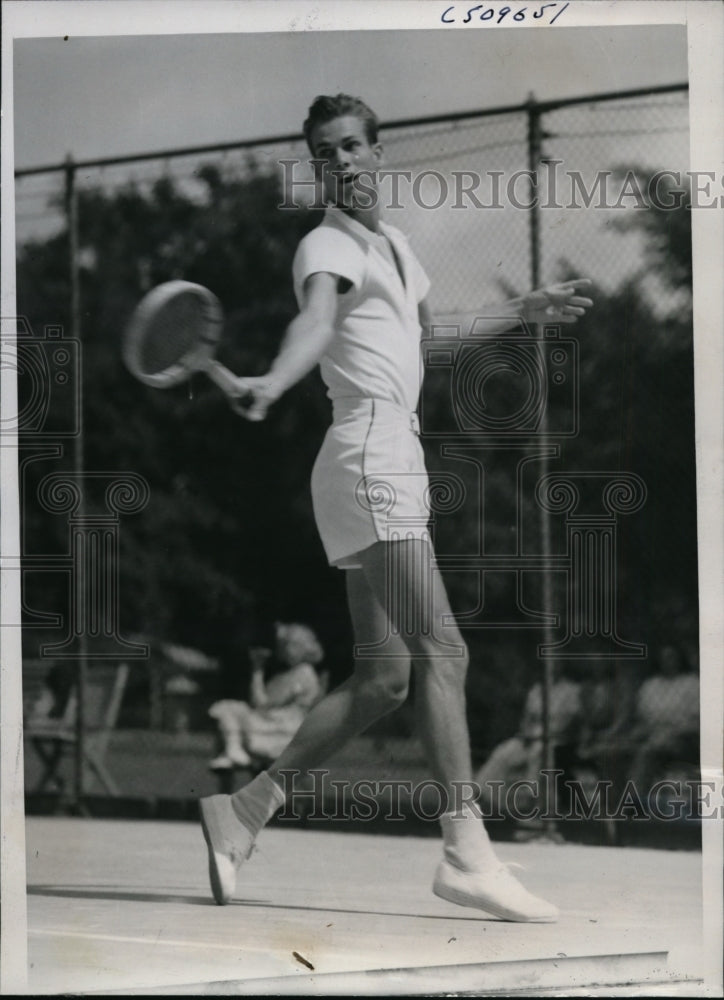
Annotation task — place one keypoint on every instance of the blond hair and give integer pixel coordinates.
(297, 644)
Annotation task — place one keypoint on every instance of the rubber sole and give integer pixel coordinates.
(462, 898)
(221, 898)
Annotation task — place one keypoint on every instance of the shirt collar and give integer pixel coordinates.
(343, 218)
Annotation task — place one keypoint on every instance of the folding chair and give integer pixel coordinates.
(53, 738)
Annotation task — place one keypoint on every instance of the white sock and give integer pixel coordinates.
(256, 803)
(467, 844)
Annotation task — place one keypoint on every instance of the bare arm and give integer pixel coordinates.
(257, 694)
(306, 340)
(553, 304)
(257, 689)
(425, 317)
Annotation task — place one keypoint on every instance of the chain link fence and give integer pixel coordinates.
(463, 190)
(464, 193)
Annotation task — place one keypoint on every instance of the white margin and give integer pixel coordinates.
(705, 19)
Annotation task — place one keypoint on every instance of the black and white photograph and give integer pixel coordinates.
(361, 455)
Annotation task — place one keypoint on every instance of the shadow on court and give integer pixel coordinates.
(157, 897)
(124, 906)
(112, 894)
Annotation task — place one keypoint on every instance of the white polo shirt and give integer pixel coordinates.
(376, 350)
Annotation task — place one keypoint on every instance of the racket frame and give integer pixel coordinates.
(199, 358)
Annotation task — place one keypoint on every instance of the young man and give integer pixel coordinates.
(361, 294)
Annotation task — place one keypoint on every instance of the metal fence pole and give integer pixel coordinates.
(71, 207)
(534, 155)
(534, 158)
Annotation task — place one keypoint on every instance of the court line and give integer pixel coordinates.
(148, 940)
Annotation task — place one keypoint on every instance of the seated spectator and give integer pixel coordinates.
(666, 726)
(259, 730)
(521, 757)
(608, 700)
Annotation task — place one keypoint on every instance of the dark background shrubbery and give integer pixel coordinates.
(227, 543)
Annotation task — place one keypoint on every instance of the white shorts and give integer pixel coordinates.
(369, 482)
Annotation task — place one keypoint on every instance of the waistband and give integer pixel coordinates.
(344, 407)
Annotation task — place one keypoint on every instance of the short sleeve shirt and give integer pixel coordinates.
(564, 710)
(376, 349)
(670, 703)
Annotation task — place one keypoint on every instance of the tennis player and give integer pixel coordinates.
(362, 301)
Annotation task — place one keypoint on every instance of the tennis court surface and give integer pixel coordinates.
(117, 905)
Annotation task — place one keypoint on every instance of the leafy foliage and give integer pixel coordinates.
(228, 542)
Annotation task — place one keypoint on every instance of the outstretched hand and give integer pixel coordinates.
(557, 303)
(253, 397)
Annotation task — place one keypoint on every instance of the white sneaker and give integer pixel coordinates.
(225, 761)
(229, 844)
(221, 763)
(495, 891)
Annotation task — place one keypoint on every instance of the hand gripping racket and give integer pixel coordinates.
(173, 333)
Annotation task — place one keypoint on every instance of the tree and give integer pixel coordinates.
(227, 500)
(228, 537)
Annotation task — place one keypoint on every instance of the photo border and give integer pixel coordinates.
(35, 18)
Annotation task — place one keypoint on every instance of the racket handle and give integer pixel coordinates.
(222, 377)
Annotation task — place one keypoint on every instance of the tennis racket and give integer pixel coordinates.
(173, 333)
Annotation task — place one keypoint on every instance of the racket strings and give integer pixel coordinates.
(174, 332)
(178, 330)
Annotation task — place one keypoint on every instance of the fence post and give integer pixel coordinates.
(534, 158)
(71, 209)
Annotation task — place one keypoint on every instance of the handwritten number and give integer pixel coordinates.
(448, 15)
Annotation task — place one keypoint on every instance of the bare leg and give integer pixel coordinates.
(232, 719)
(399, 607)
(413, 595)
(378, 685)
(507, 762)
